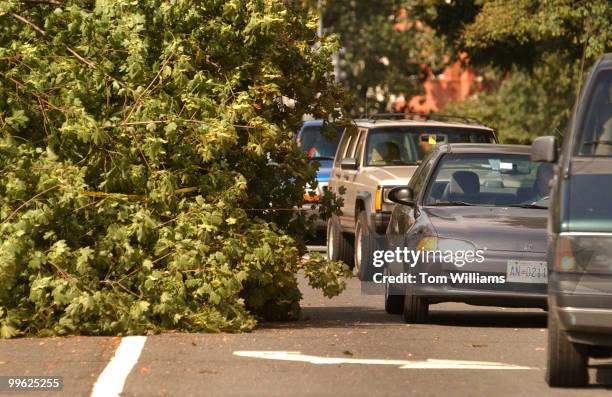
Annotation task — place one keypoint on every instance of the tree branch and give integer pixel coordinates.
(49, 2)
(42, 32)
(28, 202)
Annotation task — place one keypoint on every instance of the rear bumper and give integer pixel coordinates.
(581, 319)
(583, 305)
(586, 326)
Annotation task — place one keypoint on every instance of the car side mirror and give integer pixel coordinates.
(544, 149)
(348, 164)
(401, 195)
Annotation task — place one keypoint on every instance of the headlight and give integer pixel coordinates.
(382, 197)
(444, 244)
(311, 198)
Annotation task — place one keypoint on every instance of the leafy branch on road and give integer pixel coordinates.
(135, 137)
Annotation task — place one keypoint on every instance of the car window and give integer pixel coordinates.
(346, 140)
(489, 179)
(588, 201)
(350, 152)
(359, 146)
(388, 146)
(315, 144)
(595, 134)
(418, 179)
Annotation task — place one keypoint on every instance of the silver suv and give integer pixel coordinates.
(372, 159)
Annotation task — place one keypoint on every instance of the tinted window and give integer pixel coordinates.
(315, 144)
(408, 145)
(589, 200)
(595, 134)
(489, 179)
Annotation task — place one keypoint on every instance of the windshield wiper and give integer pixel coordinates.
(532, 205)
(603, 141)
(451, 203)
(402, 162)
(321, 158)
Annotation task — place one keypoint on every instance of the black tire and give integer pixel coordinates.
(394, 304)
(567, 362)
(339, 245)
(366, 242)
(416, 309)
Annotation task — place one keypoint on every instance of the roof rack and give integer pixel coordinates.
(424, 117)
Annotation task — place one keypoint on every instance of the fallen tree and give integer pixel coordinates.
(147, 172)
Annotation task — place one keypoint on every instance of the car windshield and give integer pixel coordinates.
(408, 145)
(490, 179)
(315, 144)
(596, 132)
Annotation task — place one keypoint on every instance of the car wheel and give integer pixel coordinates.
(416, 309)
(339, 245)
(566, 361)
(365, 245)
(394, 304)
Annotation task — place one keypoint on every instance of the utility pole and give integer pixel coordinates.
(320, 12)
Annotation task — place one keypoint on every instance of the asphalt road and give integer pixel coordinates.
(348, 346)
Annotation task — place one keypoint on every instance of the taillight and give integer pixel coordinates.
(565, 261)
(314, 198)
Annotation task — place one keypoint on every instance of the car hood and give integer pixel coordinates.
(391, 175)
(493, 228)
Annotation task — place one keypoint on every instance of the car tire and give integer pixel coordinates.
(567, 362)
(339, 245)
(416, 309)
(394, 304)
(365, 245)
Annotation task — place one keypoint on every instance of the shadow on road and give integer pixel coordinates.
(367, 317)
(338, 317)
(485, 318)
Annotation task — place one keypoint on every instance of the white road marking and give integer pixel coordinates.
(111, 381)
(404, 364)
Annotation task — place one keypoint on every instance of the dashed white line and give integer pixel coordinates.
(404, 364)
(111, 381)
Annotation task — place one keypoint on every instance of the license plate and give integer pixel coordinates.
(527, 272)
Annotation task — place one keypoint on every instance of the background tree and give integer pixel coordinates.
(540, 50)
(383, 49)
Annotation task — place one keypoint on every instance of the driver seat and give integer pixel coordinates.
(463, 186)
(386, 152)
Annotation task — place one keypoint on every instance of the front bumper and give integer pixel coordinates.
(379, 221)
(470, 290)
(483, 297)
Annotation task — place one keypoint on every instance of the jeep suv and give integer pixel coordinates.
(373, 158)
(580, 234)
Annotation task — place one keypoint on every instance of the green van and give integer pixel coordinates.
(580, 234)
